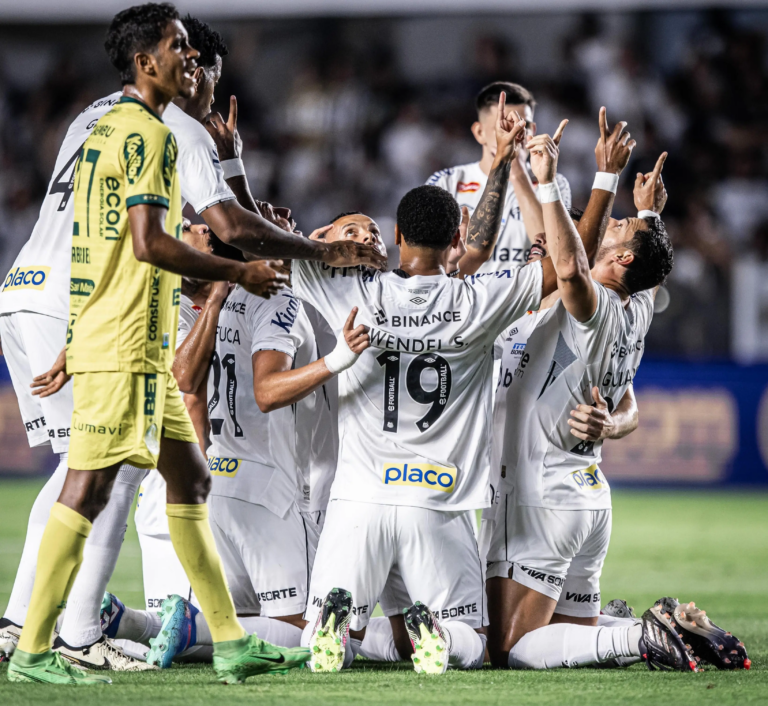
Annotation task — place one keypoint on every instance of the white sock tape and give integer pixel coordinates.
(606, 181)
(341, 357)
(233, 167)
(549, 193)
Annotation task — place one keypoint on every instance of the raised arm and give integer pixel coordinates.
(612, 154)
(276, 385)
(530, 208)
(485, 223)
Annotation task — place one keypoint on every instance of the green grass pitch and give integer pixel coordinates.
(707, 547)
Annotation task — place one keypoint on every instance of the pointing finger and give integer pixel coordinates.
(349, 324)
(232, 122)
(603, 122)
(659, 166)
(559, 132)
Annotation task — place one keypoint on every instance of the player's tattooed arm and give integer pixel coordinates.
(484, 226)
(612, 153)
(596, 423)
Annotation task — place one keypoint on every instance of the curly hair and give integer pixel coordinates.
(347, 213)
(207, 41)
(654, 257)
(428, 217)
(137, 29)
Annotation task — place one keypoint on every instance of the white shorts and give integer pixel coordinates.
(31, 343)
(559, 553)
(266, 558)
(399, 553)
(163, 573)
(313, 522)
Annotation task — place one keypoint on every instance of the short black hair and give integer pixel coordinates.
(428, 217)
(345, 214)
(206, 40)
(575, 213)
(654, 257)
(516, 95)
(137, 29)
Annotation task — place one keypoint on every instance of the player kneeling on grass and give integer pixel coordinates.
(548, 554)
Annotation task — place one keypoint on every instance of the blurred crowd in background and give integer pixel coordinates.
(343, 114)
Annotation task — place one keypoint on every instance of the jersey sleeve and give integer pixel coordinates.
(201, 177)
(441, 179)
(333, 291)
(596, 332)
(187, 318)
(149, 160)
(275, 324)
(643, 305)
(504, 296)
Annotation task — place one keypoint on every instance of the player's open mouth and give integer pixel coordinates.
(537, 250)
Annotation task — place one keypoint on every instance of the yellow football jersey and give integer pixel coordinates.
(122, 313)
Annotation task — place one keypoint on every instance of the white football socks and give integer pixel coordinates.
(466, 647)
(609, 621)
(138, 625)
(379, 642)
(81, 626)
(567, 645)
(16, 611)
(278, 632)
(351, 650)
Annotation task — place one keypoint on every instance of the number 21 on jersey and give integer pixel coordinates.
(436, 397)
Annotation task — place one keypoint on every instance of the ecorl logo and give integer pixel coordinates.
(467, 187)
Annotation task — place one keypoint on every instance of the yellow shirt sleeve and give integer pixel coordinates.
(149, 159)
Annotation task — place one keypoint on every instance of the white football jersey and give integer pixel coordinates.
(467, 182)
(317, 422)
(39, 278)
(563, 359)
(253, 456)
(150, 514)
(414, 410)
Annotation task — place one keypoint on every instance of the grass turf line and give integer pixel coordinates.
(707, 547)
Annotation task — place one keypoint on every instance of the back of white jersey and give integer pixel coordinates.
(253, 455)
(563, 359)
(39, 278)
(467, 183)
(414, 410)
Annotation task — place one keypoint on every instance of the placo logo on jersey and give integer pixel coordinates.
(426, 475)
(133, 152)
(467, 187)
(590, 478)
(26, 278)
(226, 467)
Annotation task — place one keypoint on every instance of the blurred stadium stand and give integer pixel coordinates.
(348, 113)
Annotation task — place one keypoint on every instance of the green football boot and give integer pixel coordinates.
(236, 660)
(50, 668)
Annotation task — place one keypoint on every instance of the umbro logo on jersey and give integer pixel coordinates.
(442, 478)
(590, 478)
(226, 467)
(418, 301)
(26, 278)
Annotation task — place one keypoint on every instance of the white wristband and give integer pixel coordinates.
(341, 357)
(233, 167)
(606, 181)
(549, 193)
(648, 214)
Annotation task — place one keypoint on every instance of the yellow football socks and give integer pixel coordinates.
(194, 544)
(59, 559)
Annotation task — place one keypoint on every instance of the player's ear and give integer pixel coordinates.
(624, 256)
(145, 64)
(398, 236)
(198, 77)
(477, 131)
(456, 238)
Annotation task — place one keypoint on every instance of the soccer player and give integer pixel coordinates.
(412, 413)
(122, 327)
(38, 312)
(467, 182)
(551, 556)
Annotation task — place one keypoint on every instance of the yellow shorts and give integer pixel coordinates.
(120, 418)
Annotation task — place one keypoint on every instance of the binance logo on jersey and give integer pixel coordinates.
(133, 152)
(589, 479)
(226, 467)
(26, 278)
(442, 478)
